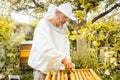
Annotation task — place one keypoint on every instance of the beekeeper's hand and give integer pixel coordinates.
(68, 63)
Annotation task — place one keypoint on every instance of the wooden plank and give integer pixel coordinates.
(48, 77)
(76, 75)
(54, 75)
(65, 76)
(84, 78)
(23, 60)
(86, 75)
(58, 75)
(62, 75)
(24, 53)
(72, 76)
(25, 46)
(90, 75)
(80, 76)
(95, 75)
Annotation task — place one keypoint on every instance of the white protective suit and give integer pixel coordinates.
(50, 46)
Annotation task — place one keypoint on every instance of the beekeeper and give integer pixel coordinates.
(51, 47)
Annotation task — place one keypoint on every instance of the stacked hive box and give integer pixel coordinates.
(78, 74)
(25, 48)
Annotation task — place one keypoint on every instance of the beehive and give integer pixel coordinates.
(25, 48)
(78, 74)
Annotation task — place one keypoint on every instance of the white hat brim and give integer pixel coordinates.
(70, 16)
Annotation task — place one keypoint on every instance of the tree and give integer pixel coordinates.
(37, 6)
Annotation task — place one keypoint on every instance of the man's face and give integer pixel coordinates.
(62, 18)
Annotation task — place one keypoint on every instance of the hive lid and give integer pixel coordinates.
(26, 42)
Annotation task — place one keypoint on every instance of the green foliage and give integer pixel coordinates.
(80, 14)
(11, 36)
(86, 60)
(99, 34)
(26, 75)
(10, 58)
(105, 34)
(5, 30)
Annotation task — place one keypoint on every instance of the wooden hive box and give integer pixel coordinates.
(25, 49)
(78, 74)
